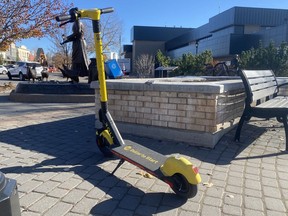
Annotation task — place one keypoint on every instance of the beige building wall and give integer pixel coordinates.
(11, 54)
(3, 54)
(14, 53)
(23, 53)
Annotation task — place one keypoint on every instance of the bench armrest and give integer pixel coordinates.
(283, 84)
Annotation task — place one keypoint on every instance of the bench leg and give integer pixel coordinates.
(239, 127)
(286, 131)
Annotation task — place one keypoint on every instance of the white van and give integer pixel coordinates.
(20, 70)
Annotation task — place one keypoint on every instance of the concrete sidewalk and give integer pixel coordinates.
(50, 150)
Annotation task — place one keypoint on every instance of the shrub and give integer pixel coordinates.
(270, 57)
(193, 65)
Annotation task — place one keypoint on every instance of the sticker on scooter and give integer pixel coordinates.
(142, 155)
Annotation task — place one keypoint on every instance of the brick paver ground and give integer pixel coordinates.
(50, 150)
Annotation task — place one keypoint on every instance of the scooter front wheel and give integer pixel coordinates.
(104, 146)
(182, 187)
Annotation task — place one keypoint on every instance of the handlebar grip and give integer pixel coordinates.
(63, 18)
(107, 10)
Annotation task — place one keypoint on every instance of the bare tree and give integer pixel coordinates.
(111, 31)
(60, 54)
(144, 65)
(20, 19)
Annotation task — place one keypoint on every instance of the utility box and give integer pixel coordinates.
(113, 69)
(164, 71)
(9, 198)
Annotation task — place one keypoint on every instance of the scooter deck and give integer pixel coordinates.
(141, 156)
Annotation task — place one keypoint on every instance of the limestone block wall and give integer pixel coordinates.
(178, 108)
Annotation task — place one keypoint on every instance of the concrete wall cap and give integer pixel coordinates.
(201, 85)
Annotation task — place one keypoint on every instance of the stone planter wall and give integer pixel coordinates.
(181, 109)
(198, 111)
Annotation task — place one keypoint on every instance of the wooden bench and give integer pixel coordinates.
(262, 99)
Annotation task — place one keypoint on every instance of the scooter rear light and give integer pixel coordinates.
(195, 170)
(169, 183)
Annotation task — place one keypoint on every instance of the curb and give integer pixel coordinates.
(51, 98)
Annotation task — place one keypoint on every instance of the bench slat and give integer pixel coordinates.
(275, 103)
(261, 86)
(261, 79)
(263, 93)
(257, 73)
(261, 83)
(282, 103)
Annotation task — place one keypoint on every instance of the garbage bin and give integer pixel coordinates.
(113, 69)
(9, 198)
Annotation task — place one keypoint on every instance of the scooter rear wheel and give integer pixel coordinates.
(182, 187)
(104, 146)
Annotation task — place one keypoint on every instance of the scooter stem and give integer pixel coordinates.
(108, 122)
(94, 14)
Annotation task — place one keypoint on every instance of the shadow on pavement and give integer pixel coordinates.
(69, 146)
(223, 153)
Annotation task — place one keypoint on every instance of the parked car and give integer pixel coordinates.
(52, 69)
(3, 69)
(20, 70)
(8, 66)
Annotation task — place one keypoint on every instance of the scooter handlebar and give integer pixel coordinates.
(73, 15)
(107, 10)
(63, 18)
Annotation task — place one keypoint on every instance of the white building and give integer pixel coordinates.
(14, 54)
(23, 53)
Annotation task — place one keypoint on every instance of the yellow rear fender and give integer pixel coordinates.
(107, 136)
(183, 166)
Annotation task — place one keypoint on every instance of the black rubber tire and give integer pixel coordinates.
(104, 146)
(182, 187)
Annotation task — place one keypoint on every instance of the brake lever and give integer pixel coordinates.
(64, 23)
(63, 42)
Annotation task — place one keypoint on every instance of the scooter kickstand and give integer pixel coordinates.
(118, 165)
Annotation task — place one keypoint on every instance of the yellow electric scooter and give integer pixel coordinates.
(181, 175)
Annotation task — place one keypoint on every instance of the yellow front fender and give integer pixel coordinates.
(183, 166)
(107, 136)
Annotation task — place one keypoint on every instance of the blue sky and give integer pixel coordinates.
(170, 13)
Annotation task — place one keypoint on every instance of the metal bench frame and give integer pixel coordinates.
(262, 99)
